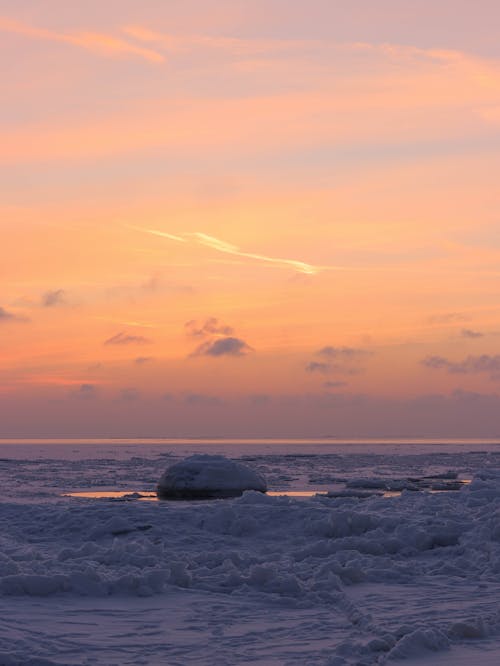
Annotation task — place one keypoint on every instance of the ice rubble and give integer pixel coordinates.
(275, 550)
(207, 476)
(272, 544)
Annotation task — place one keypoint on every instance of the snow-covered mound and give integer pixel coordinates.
(205, 476)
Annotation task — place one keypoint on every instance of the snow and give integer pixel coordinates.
(343, 580)
(206, 476)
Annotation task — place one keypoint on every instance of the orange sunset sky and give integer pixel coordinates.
(250, 218)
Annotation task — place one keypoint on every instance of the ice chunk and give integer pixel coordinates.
(205, 476)
(419, 642)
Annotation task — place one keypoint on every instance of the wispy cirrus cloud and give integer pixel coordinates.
(448, 318)
(219, 245)
(435, 91)
(101, 43)
(229, 248)
(237, 45)
(162, 234)
(241, 47)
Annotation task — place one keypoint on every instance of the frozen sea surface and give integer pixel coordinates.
(338, 581)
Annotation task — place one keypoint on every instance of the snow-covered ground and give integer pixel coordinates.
(258, 579)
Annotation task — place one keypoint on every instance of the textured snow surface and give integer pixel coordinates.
(330, 581)
(209, 476)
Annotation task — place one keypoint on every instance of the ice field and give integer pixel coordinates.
(407, 573)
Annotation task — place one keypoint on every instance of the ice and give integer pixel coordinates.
(206, 476)
(419, 642)
(338, 579)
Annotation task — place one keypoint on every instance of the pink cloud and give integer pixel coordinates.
(91, 41)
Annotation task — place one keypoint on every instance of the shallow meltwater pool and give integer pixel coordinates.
(148, 496)
(152, 497)
(114, 494)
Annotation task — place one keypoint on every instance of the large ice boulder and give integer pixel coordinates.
(206, 477)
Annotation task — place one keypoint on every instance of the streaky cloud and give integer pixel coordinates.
(123, 339)
(162, 234)
(91, 41)
(219, 245)
(6, 316)
(316, 366)
(342, 360)
(122, 322)
(435, 362)
(258, 46)
(470, 334)
(141, 360)
(129, 394)
(228, 248)
(344, 353)
(448, 318)
(202, 399)
(232, 45)
(335, 385)
(484, 363)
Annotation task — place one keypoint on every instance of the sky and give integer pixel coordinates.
(250, 218)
